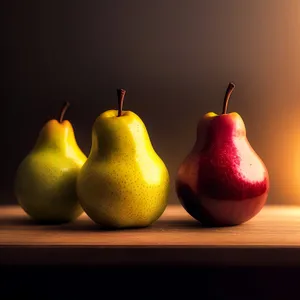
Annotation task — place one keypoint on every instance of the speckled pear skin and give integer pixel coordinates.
(124, 183)
(45, 182)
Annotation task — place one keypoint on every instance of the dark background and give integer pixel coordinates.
(175, 58)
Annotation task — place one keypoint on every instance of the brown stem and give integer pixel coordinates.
(63, 111)
(229, 90)
(121, 94)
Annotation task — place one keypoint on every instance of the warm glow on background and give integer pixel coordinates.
(174, 58)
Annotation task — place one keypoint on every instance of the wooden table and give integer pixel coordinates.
(271, 238)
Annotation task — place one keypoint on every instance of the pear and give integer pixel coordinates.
(45, 181)
(222, 181)
(123, 183)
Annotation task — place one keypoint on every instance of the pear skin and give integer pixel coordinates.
(222, 181)
(123, 183)
(45, 182)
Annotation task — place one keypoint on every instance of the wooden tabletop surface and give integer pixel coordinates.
(271, 238)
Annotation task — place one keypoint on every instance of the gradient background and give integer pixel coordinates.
(175, 58)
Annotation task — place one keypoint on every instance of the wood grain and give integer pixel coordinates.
(272, 237)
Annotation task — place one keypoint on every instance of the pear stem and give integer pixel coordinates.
(228, 93)
(63, 111)
(121, 94)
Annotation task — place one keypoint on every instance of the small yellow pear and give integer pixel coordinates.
(45, 182)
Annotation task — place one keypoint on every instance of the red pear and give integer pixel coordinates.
(222, 181)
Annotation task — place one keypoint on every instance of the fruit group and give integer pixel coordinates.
(222, 181)
(45, 182)
(124, 183)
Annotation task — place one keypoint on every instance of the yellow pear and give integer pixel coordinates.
(123, 183)
(45, 182)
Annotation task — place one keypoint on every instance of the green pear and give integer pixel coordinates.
(45, 182)
(123, 183)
